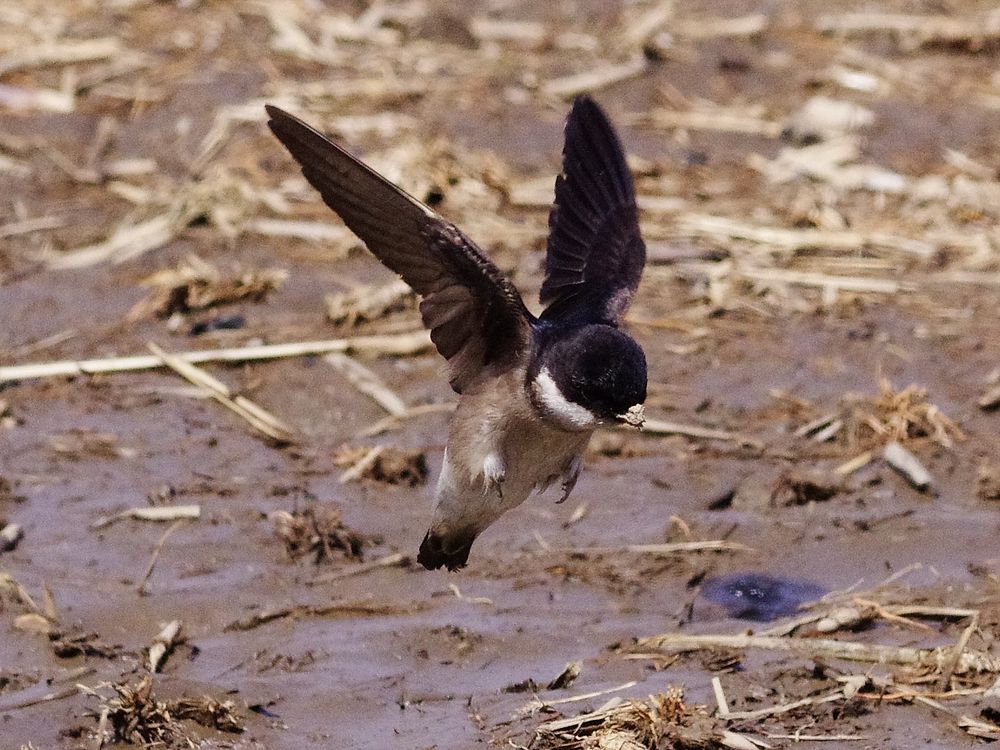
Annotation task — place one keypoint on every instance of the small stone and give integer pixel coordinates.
(10, 535)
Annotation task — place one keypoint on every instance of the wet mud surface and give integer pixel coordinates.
(394, 656)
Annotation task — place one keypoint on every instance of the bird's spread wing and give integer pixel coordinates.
(476, 316)
(595, 252)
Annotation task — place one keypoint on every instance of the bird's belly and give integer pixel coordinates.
(496, 431)
(533, 454)
(536, 454)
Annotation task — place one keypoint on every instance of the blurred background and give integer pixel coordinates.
(819, 192)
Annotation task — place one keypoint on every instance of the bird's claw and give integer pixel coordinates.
(494, 484)
(494, 474)
(571, 475)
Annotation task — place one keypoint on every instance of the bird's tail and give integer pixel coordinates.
(449, 550)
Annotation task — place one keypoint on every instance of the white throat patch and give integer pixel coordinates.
(558, 407)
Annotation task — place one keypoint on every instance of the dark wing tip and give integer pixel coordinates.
(587, 113)
(278, 117)
(285, 125)
(584, 103)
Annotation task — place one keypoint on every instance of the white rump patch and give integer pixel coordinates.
(558, 407)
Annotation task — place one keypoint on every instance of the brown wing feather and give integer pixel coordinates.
(476, 317)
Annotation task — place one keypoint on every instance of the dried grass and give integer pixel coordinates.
(81, 444)
(663, 721)
(135, 715)
(369, 302)
(319, 532)
(901, 416)
(197, 285)
(383, 464)
(209, 712)
(988, 483)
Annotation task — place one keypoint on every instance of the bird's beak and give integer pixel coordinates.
(635, 416)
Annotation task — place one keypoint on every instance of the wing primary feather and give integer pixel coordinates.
(595, 251)
(486, 326)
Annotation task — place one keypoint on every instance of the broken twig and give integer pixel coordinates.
(159, 513)
(402, 344)
(908, 466)
(258, 417)
(969, 661)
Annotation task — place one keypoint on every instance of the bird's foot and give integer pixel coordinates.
(570, 477)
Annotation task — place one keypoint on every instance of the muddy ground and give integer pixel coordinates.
(400, 657)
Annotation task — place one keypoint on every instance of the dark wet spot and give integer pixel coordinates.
(218, 323)
(758, 596)
(734, 64)
(863, 331)
(696, 579)
(714, 255)
(696, 158)
(723, 501)
(801, 488)
(259, 708)
(523, 686)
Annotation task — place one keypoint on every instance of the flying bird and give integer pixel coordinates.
(532, 389)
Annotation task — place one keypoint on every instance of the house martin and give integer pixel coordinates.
(532, 389)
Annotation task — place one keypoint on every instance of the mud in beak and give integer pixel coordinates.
(634, 417)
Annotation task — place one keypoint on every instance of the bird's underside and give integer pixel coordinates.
(504, 442)
(498, 453)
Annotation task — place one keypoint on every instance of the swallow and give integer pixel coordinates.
(531, 389)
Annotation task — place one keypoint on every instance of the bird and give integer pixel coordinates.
(532, 389)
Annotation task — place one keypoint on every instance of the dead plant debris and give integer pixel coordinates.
(383, 464)
(801, 487)
(335, 610)
(988, 482)
(135, 715)
(7, 420)
(400, 345)
(163, 645)
(197, 285)
(908, 465)
(899, 416)
(369, 302)
(925, 675)
(74, 643)
(7, 494)
(662, 721)
(567, 677)
(866, 422)
(78, 444)
(10, 535)
(318, 531)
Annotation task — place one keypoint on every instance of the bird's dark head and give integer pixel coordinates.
(593, 375)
